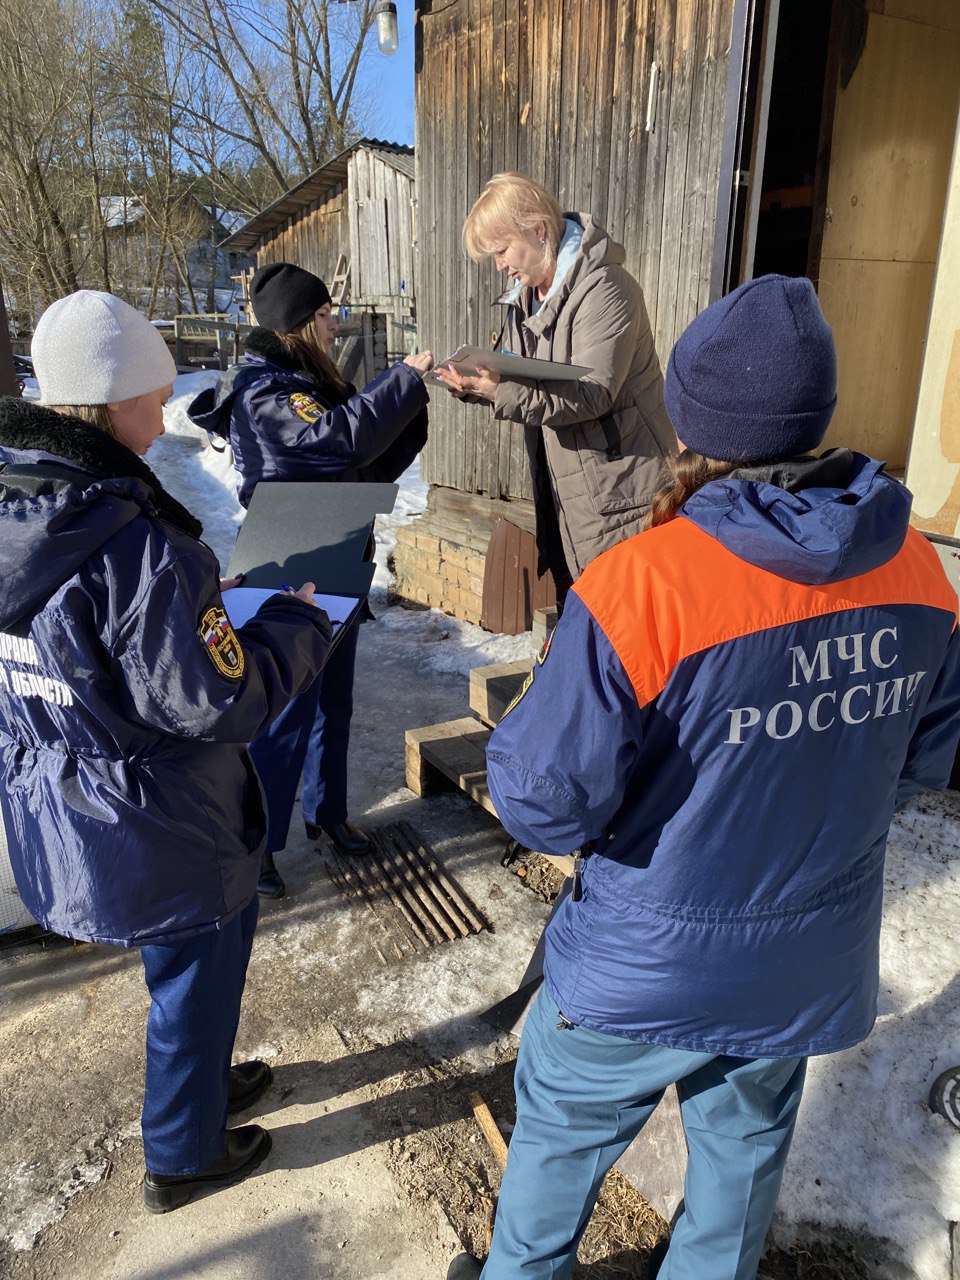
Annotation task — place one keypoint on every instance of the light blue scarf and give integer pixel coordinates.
(566, 256)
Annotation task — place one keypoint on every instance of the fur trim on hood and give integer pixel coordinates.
(30, 428)
(267, 345)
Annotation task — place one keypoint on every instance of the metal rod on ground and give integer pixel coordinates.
(407, 888)
(443, 905)
(490, 1131)
(340, 885)
(413, 888)
(395, 893)
(354, 885)
(449, 921)
(374, 891)
(426, 855)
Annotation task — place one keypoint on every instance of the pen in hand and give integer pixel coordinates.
(306, 592)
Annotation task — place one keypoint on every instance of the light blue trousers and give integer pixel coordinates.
(582, 1097)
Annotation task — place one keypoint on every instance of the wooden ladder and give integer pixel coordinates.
(340, 284)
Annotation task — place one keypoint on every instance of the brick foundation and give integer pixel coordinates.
(433, 568)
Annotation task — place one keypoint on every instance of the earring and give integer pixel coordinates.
(543, 240)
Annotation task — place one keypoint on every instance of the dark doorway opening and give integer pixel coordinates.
(793, 184)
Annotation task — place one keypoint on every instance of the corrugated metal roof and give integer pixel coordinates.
(314, 185)
(401, 160)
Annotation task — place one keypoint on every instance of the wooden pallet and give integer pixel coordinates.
(544, 621)
(449, 755)
(493, 688)
(453, 756)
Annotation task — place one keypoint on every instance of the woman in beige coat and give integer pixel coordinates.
(595, 445)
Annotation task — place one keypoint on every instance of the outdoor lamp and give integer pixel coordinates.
(388, 33)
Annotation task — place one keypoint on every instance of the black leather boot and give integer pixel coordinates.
(248, 1082)
(242, 1151)
(270, 884)
(344, 837)
(464, 1267)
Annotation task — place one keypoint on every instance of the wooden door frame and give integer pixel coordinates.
(739, 114)
(821, 177)
(752, 49)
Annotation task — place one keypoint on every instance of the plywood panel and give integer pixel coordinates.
(878, 311)
(933, 473)
(891, 144)
(936, 13)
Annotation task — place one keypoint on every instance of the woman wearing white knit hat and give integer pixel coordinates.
(133, 811)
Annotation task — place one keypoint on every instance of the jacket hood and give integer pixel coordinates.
(809, 520)
(263, 353)
(66, 489)
(585, 247)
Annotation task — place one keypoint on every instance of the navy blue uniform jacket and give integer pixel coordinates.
(285, 425)
(133, 811)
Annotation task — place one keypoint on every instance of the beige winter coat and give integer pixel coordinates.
(605, 436)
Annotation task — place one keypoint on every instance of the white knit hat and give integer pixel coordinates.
(93, 348)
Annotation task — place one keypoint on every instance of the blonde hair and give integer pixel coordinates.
(303, 345)
(685, 474)
(512, 202)
(97, 415)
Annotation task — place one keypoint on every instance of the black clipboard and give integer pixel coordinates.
(309, 531)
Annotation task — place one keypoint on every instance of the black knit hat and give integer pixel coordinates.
(284, 297)
(754, 376)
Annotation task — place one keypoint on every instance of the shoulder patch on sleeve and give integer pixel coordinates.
(221, 643)
(517, 696)
(305, 406)
(541, 659)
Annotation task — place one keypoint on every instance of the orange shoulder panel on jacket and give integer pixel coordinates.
(674, 591)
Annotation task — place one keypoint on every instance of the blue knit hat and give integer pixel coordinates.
(754, 376)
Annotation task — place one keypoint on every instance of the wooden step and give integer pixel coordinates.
(493, 688)
(544, 622)
(453, 755)
(455, 752)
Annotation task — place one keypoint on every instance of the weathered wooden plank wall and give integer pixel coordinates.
(558, 89)
(382, 228)
(313, 238)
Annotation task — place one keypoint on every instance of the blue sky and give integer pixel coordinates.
(391, 80)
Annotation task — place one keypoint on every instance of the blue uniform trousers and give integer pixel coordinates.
(311, 738)
(325, 767)
(195, 989)
(582, 1097)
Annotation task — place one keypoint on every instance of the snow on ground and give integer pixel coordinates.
(868, 1155)
(197, 474)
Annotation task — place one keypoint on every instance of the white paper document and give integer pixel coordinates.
(241, 603)
(466, 359)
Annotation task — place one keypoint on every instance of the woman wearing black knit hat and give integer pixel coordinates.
(289, 415)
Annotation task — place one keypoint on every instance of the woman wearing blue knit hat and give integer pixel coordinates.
(691, 730)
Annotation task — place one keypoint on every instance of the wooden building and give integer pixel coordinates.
(355, 216)
(718, 140)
